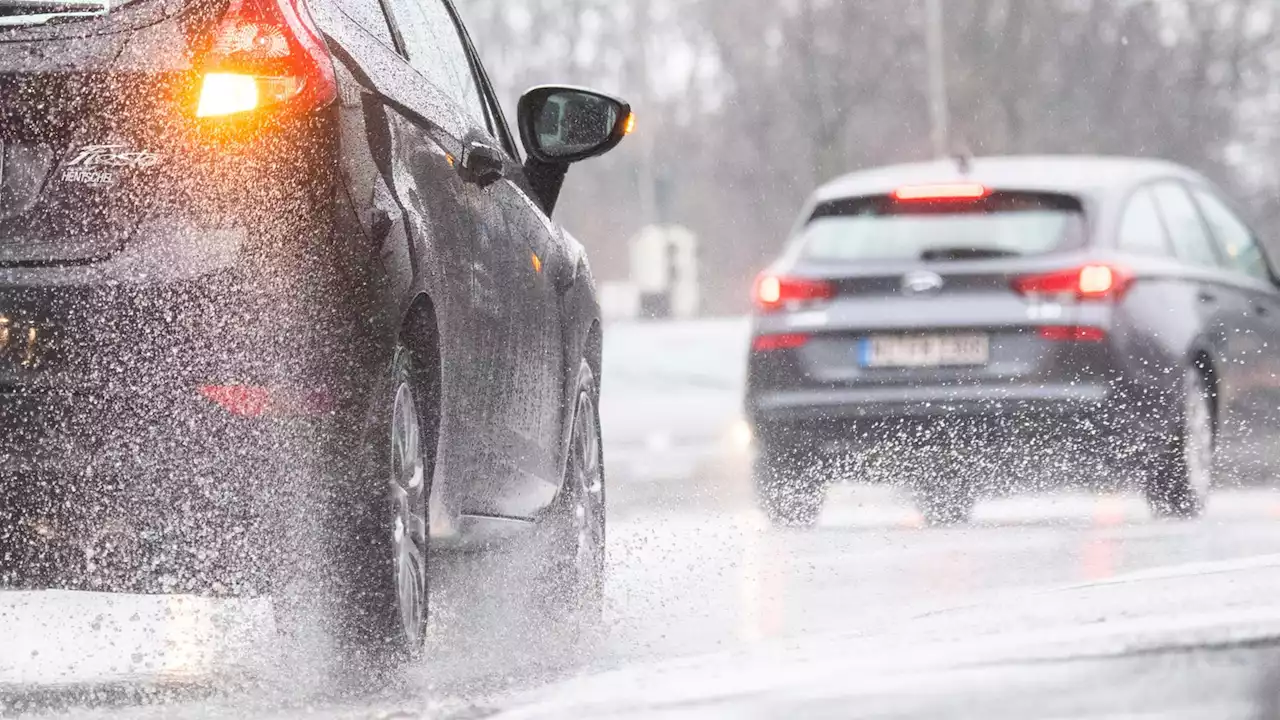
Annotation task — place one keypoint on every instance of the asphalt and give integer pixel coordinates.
(1047, 606)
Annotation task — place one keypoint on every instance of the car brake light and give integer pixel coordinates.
(1073, 333)
(1091, 282)
(942, 191)
(774, 292)
(771, 343)
(265, 53)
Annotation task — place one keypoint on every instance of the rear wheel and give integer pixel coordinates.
(1178, 484)
(31, 560)
(368, 593)
(789, 491)
(946, 482)
(943, 506)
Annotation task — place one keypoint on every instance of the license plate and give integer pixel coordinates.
(924, 351)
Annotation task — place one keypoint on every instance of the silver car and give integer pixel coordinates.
(1014, 320)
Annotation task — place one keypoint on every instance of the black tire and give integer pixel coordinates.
(788, 489)
(946, 490)
(571, 585)
(944, 504)
(28, 562)
(367, 592)
(1180, 476)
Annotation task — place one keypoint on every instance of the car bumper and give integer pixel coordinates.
(162, 494)
(105, 414)
(1099, 418)
(887, 403)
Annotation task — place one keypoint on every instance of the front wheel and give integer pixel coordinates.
(573, 578)
(1178, 484)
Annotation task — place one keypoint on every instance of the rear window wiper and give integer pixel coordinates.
(966, 253)
(41, 12)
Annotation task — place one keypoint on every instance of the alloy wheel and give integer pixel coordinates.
(408, 522)
(588, 518)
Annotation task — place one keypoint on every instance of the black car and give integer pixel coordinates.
(1058, 311)
(280, 302)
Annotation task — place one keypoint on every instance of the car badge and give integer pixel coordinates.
(922, 283)
(100, 165)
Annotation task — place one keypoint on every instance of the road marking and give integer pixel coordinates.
(1213, 567)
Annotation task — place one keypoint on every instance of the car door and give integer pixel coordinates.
(1224, 303)
(416, 124)
(530, 252)
(1258, 335)
(536, 250)
(515, 366)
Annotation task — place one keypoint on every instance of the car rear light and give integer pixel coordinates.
(941, 191)
(1091, 282)
(265, 53)
(1073, 333)
(774, 292)
(252, 401)
(772, 343)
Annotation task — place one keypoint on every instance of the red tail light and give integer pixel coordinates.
(771, 343)
(1091, 282)
(774, 292)
(265, 53)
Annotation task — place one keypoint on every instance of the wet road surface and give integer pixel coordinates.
(1044, 597)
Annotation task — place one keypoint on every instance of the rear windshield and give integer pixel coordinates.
(1004, 224)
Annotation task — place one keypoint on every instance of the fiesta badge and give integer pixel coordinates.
(99, 164)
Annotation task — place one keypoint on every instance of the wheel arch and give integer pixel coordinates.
(420, 334)
(583, 333)
(583, 329)
(594, 353)
(420, 330)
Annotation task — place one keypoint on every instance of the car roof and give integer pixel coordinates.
(1080, 175)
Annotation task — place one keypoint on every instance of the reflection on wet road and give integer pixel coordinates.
(708, 583)
(697, 578)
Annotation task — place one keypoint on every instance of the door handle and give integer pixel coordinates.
(482, 164)
(1207, 297)
(1261, 309)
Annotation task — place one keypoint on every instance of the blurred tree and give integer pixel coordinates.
(746, 105)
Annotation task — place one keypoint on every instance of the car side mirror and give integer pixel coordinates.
(562, 125)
